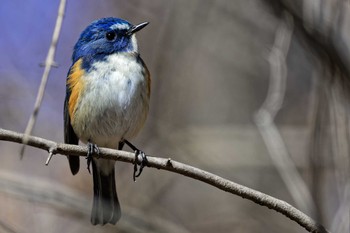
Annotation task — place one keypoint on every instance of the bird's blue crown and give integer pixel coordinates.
(101, 38)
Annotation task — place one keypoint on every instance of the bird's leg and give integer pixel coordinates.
(121, 145)
(92, 148)
(143, 163)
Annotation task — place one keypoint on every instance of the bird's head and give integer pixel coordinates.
(106, 36)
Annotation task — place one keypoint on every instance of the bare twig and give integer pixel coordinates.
(51, 152)
(180, 168)
(49, 62)
(264, 118)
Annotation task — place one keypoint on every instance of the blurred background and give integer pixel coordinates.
(254, 91)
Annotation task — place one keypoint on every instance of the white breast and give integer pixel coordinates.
(114, 103)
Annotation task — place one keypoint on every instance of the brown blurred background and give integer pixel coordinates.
(211, 64)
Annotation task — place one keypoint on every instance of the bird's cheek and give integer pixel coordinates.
(122, 44)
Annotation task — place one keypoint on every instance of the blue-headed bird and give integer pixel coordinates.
(107, 102)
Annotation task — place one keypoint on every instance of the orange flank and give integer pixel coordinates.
(76, 85)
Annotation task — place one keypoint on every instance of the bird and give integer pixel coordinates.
(107, 99)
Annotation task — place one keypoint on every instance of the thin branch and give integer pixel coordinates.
(49, 62)
(176, 167)
(265, 116)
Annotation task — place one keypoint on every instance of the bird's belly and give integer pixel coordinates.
(113, 106)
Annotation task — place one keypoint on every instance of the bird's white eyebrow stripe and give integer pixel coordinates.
(120, 26)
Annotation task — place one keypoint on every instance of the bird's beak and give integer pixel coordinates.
(136, 28)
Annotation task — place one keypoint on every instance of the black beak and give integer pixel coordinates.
(136, 28)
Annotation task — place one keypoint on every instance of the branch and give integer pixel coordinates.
(265, 116)
(49, 62)
(326, 44)
(176, 167)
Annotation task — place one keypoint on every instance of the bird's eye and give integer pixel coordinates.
(111, 35)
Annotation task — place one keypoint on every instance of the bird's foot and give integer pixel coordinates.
(92, 149)
(138, 154)
(143, 162)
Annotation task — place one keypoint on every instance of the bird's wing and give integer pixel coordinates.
(146, 73)
(69, 135)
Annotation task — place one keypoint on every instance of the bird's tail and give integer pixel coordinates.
(105, 208)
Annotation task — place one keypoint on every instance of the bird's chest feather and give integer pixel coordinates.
(113, 102)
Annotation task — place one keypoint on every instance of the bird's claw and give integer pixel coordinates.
(143, 159)
(143, 163)
(92, 149)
